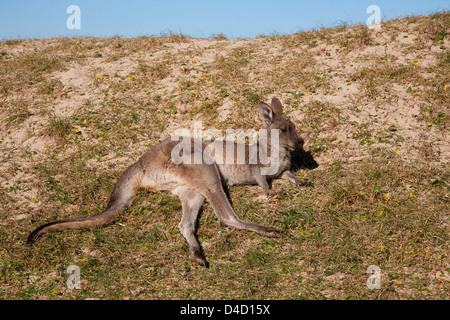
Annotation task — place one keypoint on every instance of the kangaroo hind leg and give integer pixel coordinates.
(228, 217)
(211, 188)
(191, 201)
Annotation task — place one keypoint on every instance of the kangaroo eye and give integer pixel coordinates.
(284, 130)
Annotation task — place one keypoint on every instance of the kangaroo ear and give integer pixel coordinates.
(266, 112)
(277, 107)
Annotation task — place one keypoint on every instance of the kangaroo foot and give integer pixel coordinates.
(271, 232)
(198, 257)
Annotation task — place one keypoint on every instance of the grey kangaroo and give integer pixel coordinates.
(192, 183)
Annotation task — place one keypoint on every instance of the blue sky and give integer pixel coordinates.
(25, 19)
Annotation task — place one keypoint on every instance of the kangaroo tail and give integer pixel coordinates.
(123, 194)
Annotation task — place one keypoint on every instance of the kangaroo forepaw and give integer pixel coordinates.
(305, 183)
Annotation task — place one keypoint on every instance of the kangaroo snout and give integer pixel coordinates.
(296, 143)
(300, 143)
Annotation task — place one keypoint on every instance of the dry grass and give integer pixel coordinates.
(372, 106)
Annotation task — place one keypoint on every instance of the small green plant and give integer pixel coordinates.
(59, 127)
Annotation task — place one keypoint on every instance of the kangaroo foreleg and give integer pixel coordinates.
(260, 179)
(287, 175)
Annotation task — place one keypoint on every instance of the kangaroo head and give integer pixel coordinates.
(272, 117)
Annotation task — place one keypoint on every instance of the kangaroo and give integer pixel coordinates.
(193, 183)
